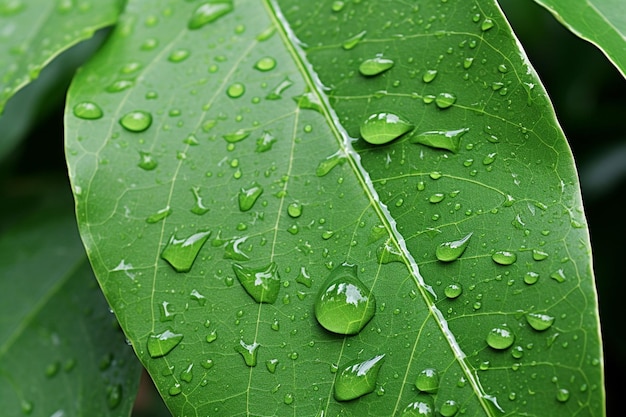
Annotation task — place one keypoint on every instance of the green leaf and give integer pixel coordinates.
(254, 136)
(36, 31)
(601, 22)
(61, 350)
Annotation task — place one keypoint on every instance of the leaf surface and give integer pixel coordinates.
(61, 350)
(35, 31)
(601, 22)
(234, 162)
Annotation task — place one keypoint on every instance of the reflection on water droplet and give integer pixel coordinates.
(249, 196)
(209, 12)
(262, 284)
(344, 304)
(136, 121)
(87, 110)
(445, 100)
(248, 352)
(453, 290)
(428, 381)
(381, 128)
(375, 66)
(500, 337)
(357, 378)
(163, 343)
(450, 251)
(353, 41)
(265, 64)
(503, 257)
(539, 321)
(181, 253)
(440, 139)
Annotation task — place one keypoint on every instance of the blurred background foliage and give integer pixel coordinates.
(589, 96)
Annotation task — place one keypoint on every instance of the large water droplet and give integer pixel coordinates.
(181, 253)
(428, 381)
(441, 139)
(163, 343)
(539, 321)
(445, 100)
(136, 121)
(344, 304)
(504, 257)
(375, 66)
(248, 352)
(381, 128)
(209, 12)
(249, 196)
(87, 110)
(353, 41)
(357, 378)
(450, 251)
(500, 337)
(263, 284)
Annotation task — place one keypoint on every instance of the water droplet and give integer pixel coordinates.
(175, 389)
(325, 166)
(211, 337)
(277, 91)
(486, 25)
(531, 277)
(388, 253)
(344, 304)
(436, 198)
(209, 12)
(271, 365)
(353, 41)
(236, 90)
(381, 128)
(136, 121)
(87, 110)
(262, 284)
(265, 64)
(288, 398)
(503, 257)
(310, 101)
(159, 215)
(178, 55)
(236, 136)
(181, 253)
(428, 381)
(467, 62)
(198, 207)
(52, 369)
(539, 255)
(375, 66)
(539, 321)
(500, 337)
(562, 395)
(233, 251)
(450, 251)
(489, 158)
(337, 6)
(453, 290)
(449, 408)
(420, 408)
(166, 313)
(429, 75)
(440, 139)
(146, 161)
(294, 210)
(445, 100)
(27, 407)
(163, 343)
(304, 278)
(187, 373)
(558, 276)
(249, 196)
(195, 295)
(248, 352)
(114, 395)
(357, 378)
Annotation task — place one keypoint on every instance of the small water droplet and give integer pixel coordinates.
(436, 198)
(304, 278)
(500, 337)
(450, 251)
(562, 395)
(294, 210)
(558, 276)
(325, 166)
(419, 408)
(159, 215)
(288, 398)
(262, 284)
(27, 407)
(163, 343)
(114, 395)
(187, 373)
(357, 378)
(167, 314)
(539, 321)
(87, 110)
(428, 381)
(486, 25)
(429, 75)
(175, 389)
(445, 100)
(277, 91)
(453, 290)
(181, 253)
(375, 66)
(381, 128)
(178, 55)
(353, 41)
(211, 337)
(265, 64)
(249, 196)
(504, 257)
(198, 207)
(136, 121)
(531, 277)
(195, 295)
(271, 365)
(489, 158)
(344, 304)
(449, 408)
(539, 255)
(248, 352)
(265, 142)
(441, 139)
(209, 12)
(146, 161)
(337, 6)
(233, 251)
(235, 90)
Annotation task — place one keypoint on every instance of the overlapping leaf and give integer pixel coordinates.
(220, 176)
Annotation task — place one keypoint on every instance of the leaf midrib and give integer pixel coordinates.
(343, 140)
